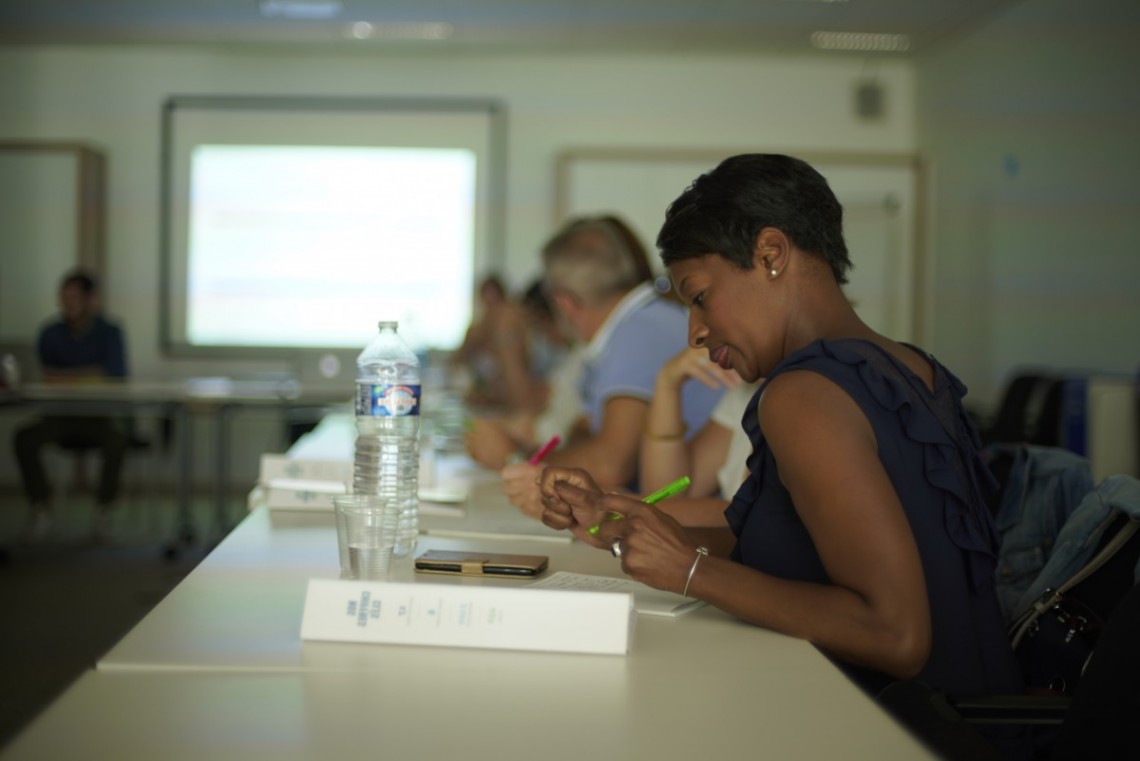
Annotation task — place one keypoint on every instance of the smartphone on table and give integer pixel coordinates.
(469, 563)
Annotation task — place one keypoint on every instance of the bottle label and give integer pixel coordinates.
(383, 400)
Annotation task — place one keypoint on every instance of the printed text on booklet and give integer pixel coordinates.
(468, 616)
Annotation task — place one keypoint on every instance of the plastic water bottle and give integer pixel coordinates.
(388, 429)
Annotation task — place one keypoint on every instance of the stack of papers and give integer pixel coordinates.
(646, 599)
(301, 494)
(289, 483)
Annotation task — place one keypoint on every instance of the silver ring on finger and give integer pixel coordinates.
(615, 548)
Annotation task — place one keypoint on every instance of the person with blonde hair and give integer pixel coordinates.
(602, 289)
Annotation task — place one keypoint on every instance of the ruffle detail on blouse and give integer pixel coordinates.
(748, 494)
(965, 515)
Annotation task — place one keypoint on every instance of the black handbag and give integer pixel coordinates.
(1057, 637)
(1054, 637)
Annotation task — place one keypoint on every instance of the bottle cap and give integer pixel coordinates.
(393, 324)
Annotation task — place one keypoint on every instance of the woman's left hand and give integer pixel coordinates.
(655, 549)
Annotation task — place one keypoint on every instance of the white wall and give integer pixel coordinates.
(1032, 127)
(111, 96)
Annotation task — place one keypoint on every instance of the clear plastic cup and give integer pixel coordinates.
(366, 527)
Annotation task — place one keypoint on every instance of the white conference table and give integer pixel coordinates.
(218, 670)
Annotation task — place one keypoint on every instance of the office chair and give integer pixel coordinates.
(1072, 709)
(1097, 722)
(1102, 720)
(1046, 428)
(1029, 411)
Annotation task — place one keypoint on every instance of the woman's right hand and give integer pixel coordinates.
(695, 363)
(654, 548)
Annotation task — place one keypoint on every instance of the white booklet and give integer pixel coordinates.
(307, 495)
(456, 615)
(646, 599)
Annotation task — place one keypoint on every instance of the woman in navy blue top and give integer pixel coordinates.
(863, 526)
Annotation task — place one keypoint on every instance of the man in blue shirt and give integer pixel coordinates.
(79, 345)
(599, 287)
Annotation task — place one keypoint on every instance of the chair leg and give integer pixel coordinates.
(140, 487)
(144, 490)
(78, 473)
(70, 484)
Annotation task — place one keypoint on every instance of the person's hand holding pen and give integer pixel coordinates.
(520, 480)
(545, 449)
(519, 486)
(665, 492)
(653, 547)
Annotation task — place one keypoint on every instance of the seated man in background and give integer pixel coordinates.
(80, 345)
(628, 331)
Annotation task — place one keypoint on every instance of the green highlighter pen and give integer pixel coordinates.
(664, 492)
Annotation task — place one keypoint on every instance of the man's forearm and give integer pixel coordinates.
(610, 469)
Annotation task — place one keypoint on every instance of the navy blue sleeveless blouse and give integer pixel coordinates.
(942, 485)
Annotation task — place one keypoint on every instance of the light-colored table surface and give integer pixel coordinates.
(485, 705)
(241, 607)
(218, 671)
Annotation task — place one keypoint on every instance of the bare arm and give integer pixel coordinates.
(665, 455)
(610, 455)
(875, 612)
(491, 442)
(696, 512)
(523, 391)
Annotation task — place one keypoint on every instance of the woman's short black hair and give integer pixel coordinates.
(724, 210)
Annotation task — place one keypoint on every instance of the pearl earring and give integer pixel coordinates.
(771, 270)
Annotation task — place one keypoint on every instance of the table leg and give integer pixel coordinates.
(222, 470)
(184, 530)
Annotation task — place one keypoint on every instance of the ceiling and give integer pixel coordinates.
(500, 26)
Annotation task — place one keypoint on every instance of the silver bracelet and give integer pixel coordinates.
(701, 552)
